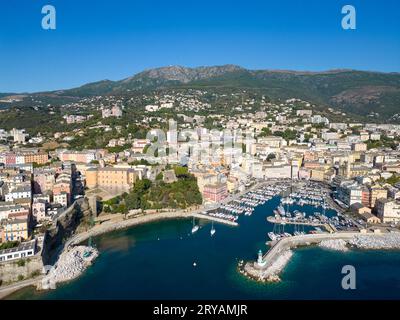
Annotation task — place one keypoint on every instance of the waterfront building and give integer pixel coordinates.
(365, 196)
(215, 192)
(25, 249)
(204, 179)
(388, 210)
(278, 172)
(376, 192)
(370, 218)
(350, 193)
(317, 174)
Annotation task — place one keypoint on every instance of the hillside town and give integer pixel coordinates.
(217, 156)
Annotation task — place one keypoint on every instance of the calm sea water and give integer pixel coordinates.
(155, 261)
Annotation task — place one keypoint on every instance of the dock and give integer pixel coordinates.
(330, 228)
(215, 219)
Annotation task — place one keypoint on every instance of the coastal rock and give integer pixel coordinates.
(70, 265)
(377, 241)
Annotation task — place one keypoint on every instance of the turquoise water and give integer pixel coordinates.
(155, 261)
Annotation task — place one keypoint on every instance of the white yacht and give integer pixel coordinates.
(272, 236)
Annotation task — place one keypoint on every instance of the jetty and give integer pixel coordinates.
(266, 268)
(212, 218)
(306, 222)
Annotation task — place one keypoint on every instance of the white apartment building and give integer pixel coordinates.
(388, 210)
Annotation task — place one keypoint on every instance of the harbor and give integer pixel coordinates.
(198, 245)
(328, 230)
(265, 270)
(268, 266)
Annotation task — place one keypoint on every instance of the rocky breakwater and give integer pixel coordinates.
(335, 244)
(70, 265)
(370, 241)
(386, 241)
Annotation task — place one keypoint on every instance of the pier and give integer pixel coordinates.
(215, 219)
(330, 228)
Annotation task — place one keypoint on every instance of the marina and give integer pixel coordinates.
(205, 262)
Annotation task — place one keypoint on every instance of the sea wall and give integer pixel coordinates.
(18, 270)
(272, 260)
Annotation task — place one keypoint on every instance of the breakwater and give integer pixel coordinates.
(70, 265)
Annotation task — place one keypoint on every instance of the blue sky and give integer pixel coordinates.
(104, 39)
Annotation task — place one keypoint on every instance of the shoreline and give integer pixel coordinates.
(143, 219)
(108, 228)
(8, 290)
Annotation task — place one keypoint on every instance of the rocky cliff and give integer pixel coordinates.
(66, 225)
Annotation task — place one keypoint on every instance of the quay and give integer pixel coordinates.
(215, 219)
(109, 226)
(330, 228)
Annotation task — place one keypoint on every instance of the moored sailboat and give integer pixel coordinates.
(195, 227)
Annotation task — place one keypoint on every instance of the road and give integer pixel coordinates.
(7, 290)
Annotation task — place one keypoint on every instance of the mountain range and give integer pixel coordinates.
(355, 92)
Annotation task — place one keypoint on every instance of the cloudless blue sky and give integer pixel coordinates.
(106, 39)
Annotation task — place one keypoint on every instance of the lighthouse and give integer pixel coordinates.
(260, 260)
